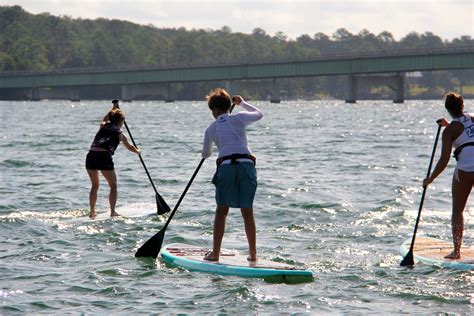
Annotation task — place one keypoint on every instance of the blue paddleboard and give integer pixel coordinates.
(230, 263)
(432, 251)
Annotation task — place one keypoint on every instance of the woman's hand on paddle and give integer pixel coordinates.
(237, 99)
(427, 181)
(442, 122)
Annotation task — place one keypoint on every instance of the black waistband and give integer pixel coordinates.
(458, 150)
(234, 158)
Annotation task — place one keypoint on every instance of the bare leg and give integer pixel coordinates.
(219, 228)
(112, 180)
(94, 176)
(460, 191)
(250, 231)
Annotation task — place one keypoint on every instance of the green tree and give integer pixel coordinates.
(6, 62)
(43, 41)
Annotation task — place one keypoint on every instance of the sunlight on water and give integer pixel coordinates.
(337, 196)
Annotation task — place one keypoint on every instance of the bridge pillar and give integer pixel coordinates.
(228, 86)
(169, 93)
(128, 93)
(35, 94)
(232, 86)
(351, 89)
(275, 94)
(356, 83)
(74, 94)
(399, 88)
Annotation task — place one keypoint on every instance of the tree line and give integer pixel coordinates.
(37, 42)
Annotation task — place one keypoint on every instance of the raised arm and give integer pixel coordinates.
(251, 113)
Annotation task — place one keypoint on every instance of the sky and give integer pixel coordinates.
(446, 18)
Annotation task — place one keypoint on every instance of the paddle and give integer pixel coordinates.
(409, 260)
(161, 205)
(153, 246)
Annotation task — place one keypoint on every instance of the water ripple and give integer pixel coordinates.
(335, 198)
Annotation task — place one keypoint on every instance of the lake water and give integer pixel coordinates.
(339, 190)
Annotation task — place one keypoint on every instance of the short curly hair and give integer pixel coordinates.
(219, 99)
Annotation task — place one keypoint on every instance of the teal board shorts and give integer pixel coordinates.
(235, 184)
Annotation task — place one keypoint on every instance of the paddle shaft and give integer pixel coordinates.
(161, 205)
(162, 231)
(139, 155)
(184, 193)
(424, 192)
(141, 159)
(152, 247)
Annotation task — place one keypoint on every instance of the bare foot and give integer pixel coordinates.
(453, 255)
(210, 257)
(92, 215)
(113, 214)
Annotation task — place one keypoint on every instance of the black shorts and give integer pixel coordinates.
(99, 160)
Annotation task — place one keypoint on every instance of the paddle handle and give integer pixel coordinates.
(424, 189)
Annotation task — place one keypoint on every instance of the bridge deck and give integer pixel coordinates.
(394, 62)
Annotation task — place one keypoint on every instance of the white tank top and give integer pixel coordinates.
(466, 157)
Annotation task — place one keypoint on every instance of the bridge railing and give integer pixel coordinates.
(337, 56)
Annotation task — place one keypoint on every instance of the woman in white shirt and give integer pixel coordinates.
(459, 133)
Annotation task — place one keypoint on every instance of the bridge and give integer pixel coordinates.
(387, 68)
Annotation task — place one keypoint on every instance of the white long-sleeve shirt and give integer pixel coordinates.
(228, 132)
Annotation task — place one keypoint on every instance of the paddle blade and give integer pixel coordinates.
(152, 247)
(161, 205)
(408, 260)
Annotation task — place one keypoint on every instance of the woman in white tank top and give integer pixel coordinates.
(459, 133)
